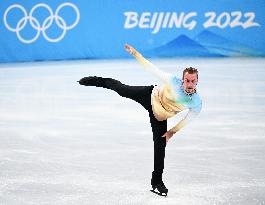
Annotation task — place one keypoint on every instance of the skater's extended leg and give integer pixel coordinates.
(140, 94)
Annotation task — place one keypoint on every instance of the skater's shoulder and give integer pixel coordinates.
(196, 96)
(175, 81)
(175, 78)
(196, 103)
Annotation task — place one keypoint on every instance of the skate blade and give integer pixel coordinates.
(158, 193)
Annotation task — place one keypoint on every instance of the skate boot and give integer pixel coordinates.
(92, 81)
(158, 186)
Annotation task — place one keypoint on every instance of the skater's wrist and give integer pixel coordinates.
(172, 132)
(133, 52)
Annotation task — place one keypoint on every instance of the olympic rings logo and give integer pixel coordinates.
(35, 24)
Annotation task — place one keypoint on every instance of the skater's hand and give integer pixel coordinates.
(168, 135)
(129, 49)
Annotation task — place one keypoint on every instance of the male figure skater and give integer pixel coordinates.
(162, 102)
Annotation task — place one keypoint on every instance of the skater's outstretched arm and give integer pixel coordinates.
(164, 76)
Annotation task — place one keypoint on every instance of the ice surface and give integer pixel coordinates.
(62, 143)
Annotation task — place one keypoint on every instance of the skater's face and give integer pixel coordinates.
(189, 82)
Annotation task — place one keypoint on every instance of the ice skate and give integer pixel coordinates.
(92, 81)
(160, 189)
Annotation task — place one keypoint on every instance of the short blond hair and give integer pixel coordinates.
(190, 70)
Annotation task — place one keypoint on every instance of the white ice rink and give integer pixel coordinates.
(62, 143)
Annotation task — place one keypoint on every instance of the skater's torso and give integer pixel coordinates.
(170, 99)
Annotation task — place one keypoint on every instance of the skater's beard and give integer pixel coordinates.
(190, 90)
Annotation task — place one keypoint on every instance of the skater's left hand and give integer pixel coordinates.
(168, 135)
(129, 49)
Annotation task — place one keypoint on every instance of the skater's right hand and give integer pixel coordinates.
(168, 135)
(129, 49)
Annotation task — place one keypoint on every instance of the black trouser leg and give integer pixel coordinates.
(159, 128)
(140, 94)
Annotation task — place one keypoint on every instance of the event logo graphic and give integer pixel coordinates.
(41, 27)
(181, 20)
